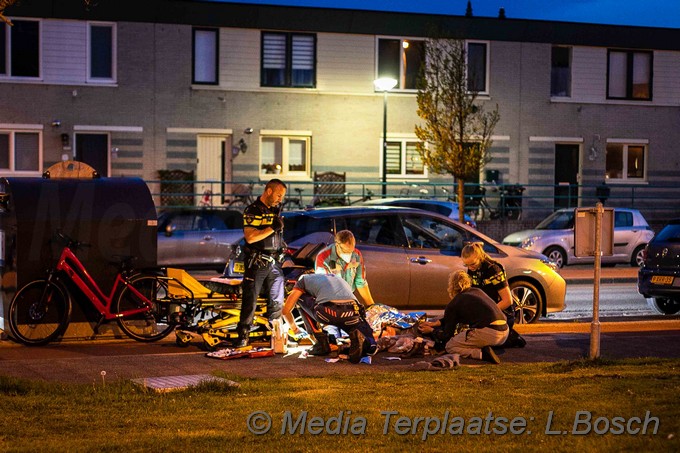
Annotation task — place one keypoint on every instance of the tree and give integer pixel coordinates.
(5, 4)
(455, 135)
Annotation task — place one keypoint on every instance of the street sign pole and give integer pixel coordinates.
(595, 324)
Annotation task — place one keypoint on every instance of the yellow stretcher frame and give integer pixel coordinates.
(223, 311)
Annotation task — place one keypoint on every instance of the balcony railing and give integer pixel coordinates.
(657, 202)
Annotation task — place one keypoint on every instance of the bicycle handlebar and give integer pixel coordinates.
(69, 241)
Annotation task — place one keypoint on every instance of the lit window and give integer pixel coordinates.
(205, 58)
(403, 159)
(401, 59)
(625, 161)
(629, 75)
(288, 60)
(285, 155)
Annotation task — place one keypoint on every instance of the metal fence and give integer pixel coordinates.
(485, 201)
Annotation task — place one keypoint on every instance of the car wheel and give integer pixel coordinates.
(556, 255)
(528, 300)
(637, 259)
(665, 305)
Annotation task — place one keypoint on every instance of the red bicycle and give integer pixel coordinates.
(41, 310)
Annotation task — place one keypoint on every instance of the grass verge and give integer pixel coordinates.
(575, 406)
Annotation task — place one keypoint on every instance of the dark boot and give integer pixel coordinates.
(514, 340)
(243, 336)
(322, 346)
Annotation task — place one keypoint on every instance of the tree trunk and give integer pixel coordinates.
(461, 200)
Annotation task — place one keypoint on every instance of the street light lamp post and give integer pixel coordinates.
(384, 84)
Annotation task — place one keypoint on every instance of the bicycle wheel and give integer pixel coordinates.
(39, 313)
(150, 325)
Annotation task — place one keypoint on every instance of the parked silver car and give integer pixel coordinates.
(444, 207)
(198, 238)
(554, 237)
(409, 254)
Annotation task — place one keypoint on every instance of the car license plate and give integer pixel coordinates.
(239, 267)
(662, 280)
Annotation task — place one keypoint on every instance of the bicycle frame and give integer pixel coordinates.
(73, 268)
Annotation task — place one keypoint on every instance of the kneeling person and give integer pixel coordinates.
(470, 306)
(328, 299)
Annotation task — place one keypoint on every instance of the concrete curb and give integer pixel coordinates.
(605, 326)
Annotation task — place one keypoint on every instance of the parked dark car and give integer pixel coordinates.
(198, 238)
(444, 207)
(409, 254)
(659, 277)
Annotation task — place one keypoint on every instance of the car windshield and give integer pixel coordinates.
(560, 220)
(670, 233)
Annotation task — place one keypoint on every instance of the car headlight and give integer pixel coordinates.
(551, 264)
(528, 243)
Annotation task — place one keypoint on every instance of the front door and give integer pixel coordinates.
(566, 175)
(211, 168)
(93, 149)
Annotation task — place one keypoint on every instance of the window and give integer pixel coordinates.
(625, 161)
(560, 71)
(403, 159)
(476, 66)
(629, 75)
(20, 151)
(20, 49)
(377, 230)
(101, 52)
(288, 60)
(425, 232)
(623, 219)
(401, 59)
(206, 51)
(285, 155)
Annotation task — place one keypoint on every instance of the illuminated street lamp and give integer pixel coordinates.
(384, 84)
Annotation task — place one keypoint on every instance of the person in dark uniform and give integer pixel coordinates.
(263, 231)
(469, 306)
(489, 276)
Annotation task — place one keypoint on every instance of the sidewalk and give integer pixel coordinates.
(585, 273)
(84, 361)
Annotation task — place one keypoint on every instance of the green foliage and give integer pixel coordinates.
(455, 135)
(120, 416)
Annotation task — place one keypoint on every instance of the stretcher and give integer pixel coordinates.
(209, 314)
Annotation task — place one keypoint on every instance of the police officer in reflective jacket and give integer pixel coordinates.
(263, 231)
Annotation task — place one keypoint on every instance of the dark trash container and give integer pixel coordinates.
(602, 192)
(116, 216)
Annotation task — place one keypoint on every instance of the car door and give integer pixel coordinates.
(433, 253)
(625, 234)
(224, 230)
(380, 240)
(193, 242)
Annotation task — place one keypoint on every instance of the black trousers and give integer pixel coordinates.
(348, 316)
(255, 279)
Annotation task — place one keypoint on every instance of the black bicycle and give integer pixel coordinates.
(242, 196)
(509, 203)
(294, 202)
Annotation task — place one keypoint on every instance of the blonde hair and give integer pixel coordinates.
(344, 237)
(474, 250)
(459, 281)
